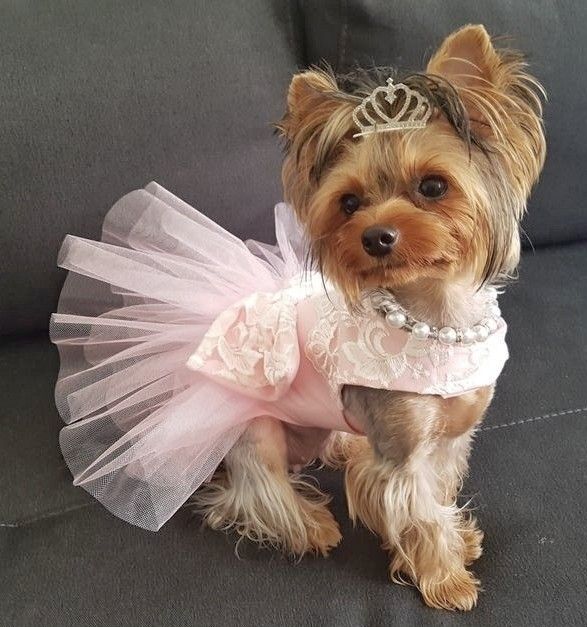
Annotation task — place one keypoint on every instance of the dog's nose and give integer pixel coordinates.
(378, 240)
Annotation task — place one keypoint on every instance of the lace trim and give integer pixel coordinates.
(354, 349)
(253, 345)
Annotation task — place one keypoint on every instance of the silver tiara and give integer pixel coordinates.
(414, 112)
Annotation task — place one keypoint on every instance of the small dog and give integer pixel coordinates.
(429, 214)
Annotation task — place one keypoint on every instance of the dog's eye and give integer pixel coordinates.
(433, 186)
(349, 203)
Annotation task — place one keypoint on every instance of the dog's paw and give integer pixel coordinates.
(456, 590)
(323, 533)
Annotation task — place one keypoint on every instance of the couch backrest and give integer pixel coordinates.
(97, 99)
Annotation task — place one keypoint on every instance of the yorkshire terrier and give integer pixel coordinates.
(431, 215)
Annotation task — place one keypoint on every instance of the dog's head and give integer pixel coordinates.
(390, 208)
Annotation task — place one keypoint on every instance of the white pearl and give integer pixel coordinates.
(447, 335)
(490, 323)
(494, 310)
(491, 292)
(481, 331)
(396, 319)
(421, 331)
(468, 336)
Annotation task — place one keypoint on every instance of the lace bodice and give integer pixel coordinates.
(257, 344)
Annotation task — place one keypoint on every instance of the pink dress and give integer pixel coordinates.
(174, 334)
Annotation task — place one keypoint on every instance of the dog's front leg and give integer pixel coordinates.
(395, 486)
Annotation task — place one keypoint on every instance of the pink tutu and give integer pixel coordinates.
(174, 334)
(144, 431)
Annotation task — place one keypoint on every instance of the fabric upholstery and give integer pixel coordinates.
(66, 561)
(96, 99)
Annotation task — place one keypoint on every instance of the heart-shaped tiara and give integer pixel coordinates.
(414, 110)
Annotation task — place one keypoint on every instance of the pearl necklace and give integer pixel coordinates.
(399, 318)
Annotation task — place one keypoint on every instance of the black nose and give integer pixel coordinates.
(378, 240)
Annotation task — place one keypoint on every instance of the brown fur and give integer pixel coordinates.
(402, 479)
(460, 414)
(254, 495)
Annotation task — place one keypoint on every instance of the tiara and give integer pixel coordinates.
(414, 110)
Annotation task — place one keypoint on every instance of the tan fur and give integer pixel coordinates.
(410, 501)
(255, 496)
(475, 227)
(461, 413)
(403, 477)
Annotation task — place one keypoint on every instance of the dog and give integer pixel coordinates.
(429, 214)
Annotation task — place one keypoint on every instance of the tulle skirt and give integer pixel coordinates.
(144, 431)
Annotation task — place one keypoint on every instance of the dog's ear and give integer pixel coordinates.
(504, 107)
(466, 58)
(315, 127)
(470, 63)
(310, 102)
(493, 84)
(502, 99)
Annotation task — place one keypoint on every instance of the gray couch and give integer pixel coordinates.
(97, 97)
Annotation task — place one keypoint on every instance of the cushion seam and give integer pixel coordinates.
(44, 516)
(564, 412)
(29, 521)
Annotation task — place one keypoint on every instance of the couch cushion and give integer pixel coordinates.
(64, 558)
(404, 35)
(86, 567)
(99, 98)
